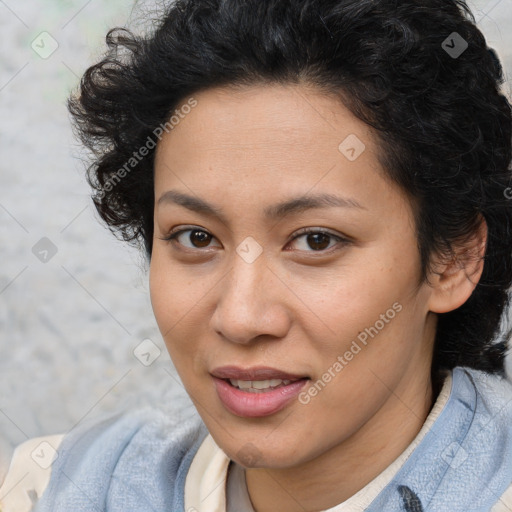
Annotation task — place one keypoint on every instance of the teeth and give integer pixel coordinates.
(258, 386)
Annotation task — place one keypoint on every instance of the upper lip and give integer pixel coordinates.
(253, 373)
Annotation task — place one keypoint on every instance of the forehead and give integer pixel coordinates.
(260, 113)
(269, 142)
(266, 125)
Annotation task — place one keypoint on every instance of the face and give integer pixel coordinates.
(257, 283)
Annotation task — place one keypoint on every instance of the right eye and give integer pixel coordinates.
(198, 238)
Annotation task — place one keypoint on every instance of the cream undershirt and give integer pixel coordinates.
(28, 474)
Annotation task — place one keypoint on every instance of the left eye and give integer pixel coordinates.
(318, 240)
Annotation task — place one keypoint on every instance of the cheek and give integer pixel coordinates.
(178, 301)
(173, 291)
(378, 317)
(361, 294)
(161, 292)
(169, 302)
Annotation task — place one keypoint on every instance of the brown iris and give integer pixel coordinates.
(316, 240)
(203, 239)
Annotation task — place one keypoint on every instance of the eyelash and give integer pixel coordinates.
(342, 241)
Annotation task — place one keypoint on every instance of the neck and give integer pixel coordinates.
(341, 472)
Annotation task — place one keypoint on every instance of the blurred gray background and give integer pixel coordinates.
(74, 302)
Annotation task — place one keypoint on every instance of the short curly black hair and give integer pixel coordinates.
(419, 73)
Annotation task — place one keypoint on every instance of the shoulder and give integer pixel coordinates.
(495, 394)
(99, 458)
(29, 473)
(493, 399)
(490, 433)
(488, 382)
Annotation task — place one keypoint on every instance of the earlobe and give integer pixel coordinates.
(454, 281)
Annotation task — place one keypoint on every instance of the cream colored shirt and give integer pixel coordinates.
(29, 473)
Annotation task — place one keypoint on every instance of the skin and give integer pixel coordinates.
(296, 308)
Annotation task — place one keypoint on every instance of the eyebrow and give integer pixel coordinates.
(274, 212)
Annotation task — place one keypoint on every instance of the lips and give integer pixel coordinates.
(254, 373)
(257, 397)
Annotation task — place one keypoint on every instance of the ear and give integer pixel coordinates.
(454, 279)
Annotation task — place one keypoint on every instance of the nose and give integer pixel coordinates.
(253, 302)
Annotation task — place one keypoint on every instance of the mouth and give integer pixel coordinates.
(255, 373)
(259, 386)
(257, 391)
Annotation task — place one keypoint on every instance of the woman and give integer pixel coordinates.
(321, 191)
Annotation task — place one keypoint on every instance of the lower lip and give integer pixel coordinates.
(254, 405)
